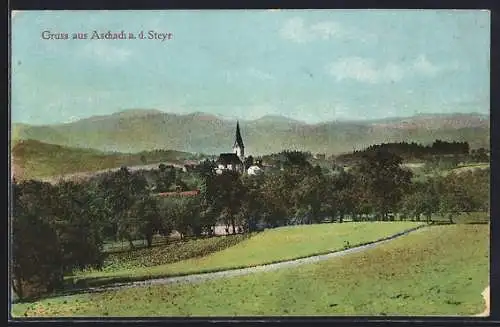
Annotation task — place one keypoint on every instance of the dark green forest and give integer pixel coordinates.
(415, 151)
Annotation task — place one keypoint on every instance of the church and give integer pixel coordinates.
(234, 160)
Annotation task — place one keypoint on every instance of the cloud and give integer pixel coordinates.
(252, 72)
(363, 70)
(366, 71)
(106, 52)
(297, 31)
(424, 66)
(259, 74)
(326, 30)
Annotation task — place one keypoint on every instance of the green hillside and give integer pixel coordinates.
(34, 159)
(139, 130)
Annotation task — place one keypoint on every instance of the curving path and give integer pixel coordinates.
(250, 270)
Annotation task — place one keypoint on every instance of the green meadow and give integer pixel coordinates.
(270, 246)
(437, 270)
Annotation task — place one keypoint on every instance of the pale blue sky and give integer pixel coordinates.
(312, 65)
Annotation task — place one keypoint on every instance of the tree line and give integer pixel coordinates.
(412, 151)
(62, 227)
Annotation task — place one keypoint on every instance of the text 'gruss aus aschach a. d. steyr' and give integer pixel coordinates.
(108, 35)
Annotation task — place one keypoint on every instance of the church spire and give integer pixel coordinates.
(238, 141)
(238, 146)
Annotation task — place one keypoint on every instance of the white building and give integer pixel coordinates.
(254, 170)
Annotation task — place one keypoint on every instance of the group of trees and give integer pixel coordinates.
(55, 230)
(479, 155)
(443, 147)
(62, 227)
(412, 151)
(447, 195)
(286, 157)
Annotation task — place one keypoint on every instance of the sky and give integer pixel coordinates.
(311, 65)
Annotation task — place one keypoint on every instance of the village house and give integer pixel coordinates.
(320, 156)
(254, 170)
(190, 165)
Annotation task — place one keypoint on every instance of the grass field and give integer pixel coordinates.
(270, 246)
(471, 167)
(421, 175)
(439, 270)
(478, 217)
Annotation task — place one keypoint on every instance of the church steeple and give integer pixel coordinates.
(238, 146)
(238, 141)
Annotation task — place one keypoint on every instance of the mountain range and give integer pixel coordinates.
(138, 130)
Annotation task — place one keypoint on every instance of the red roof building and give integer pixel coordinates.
(185, 193)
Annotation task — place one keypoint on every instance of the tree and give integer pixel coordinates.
(228, 195)
(208, 218)
(381, 175)
(36, 261)
(276, 199)
(54, 231)
(340, 195)
(145, 218)
(210, 207)
(252, 203)
(458, 194)
(165, 178)
(77, 226)
(186, 213)
(309, 196)
(167, 216)
(119, 191)
(423, 199)
(481, 155)
(295, 159)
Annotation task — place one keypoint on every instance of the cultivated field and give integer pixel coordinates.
(438, 270)
(168, 252)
